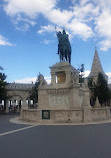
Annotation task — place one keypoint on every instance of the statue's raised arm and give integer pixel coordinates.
(64, 47)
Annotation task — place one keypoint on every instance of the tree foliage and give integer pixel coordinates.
(102, 90)
(34, 92)
(3, 83)
(91, 84)
(99, 89)
(81, 73)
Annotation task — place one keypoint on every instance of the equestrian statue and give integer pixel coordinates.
(64, 47)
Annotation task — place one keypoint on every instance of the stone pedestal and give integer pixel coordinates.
(63, 92)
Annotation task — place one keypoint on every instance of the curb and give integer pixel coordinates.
(17, 120)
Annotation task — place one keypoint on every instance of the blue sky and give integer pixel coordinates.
(28, 42)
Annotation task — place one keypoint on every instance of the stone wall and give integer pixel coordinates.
(98, 114)
(56, 116)
(30, 115)
(67, 116)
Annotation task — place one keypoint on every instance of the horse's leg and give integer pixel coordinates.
(69, 58)
(66, 55)
(60, 57)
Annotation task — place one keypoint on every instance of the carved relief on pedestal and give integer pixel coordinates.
(58, 100)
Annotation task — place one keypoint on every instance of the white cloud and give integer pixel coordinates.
(48, 78)
(107, 73)
(4, 41)
(79, 28)
(103, 29)
(23, 27)
(83, 2)
(30, 8)
(97, 14)
(58, 17)
(86, 73)
(85, 12)
(85, 18)
(48, 8)
(19, 18)
(29, 80)
(103, 4)
(109, 77)
(48, 28)
(47, 41)
(103, 24)
(105, 44)
(26, 80)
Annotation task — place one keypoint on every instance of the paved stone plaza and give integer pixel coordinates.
(83, 141)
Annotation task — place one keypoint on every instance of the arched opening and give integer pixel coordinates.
(15, 103)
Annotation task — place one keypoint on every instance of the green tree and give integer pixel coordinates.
(102, 90)
(81, 73)
(99, 89)
(34, 92)
(3, 83)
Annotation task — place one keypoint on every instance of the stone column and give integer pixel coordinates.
(7, 106)
(68, 77)
(17, 104)
(12, 105)
(24, 104)
(29, 102)
(53, 78)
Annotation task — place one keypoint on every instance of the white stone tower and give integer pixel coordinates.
(97, 68)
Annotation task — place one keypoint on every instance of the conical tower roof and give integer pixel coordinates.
(97, 67)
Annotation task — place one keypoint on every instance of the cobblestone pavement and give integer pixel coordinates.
(88, 141)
